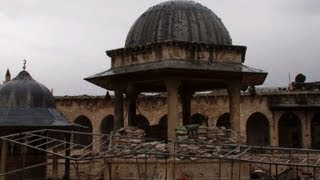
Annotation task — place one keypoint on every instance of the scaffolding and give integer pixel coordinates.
(108, 148)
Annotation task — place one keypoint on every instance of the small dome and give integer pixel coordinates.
(178, 21)
(24, 92)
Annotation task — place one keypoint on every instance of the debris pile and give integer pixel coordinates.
(182, 133)
(202, 133)
(192, 133)
(219, 135)
(130, 134)
(213, 133)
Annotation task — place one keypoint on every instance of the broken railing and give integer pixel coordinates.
(104, 146)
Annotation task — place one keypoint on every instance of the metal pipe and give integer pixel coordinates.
(22, 169)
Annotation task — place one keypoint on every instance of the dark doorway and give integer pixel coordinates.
(159, 131)
(224, 120)
(163, 127)
(257, 129)
(106, 126)
(142, 123)
(200, 119)
(83, 139)
(290, 131)
(315, 132)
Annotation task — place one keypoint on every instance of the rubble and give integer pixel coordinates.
(215, 135)
(191, 140)
(182, 133)
(202, 133)
(129, 134)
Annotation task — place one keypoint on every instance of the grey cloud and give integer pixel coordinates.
(65, 41)
(306, 7)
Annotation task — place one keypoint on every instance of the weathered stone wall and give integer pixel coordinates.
(175, 51)
(95, 108)
(177, 169)
(156, 169)
(212, 106)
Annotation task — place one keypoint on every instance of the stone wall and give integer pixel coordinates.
(176, 51)
(156, 169)
(209, 105)
(178, 169)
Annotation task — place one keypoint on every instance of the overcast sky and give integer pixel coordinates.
(65, 41)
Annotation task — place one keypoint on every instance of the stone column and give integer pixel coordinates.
(273, 130)
(234, 106)
(172, 107)
(118, 110)
(23, 159)
(186, 96)
(55, 165)
(305, 130)
(309, 116)
(132, 96)
(3, 157)
(67, 153)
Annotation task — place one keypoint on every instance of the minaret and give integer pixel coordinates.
(8, 76)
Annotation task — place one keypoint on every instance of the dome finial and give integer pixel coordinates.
(24, 64)
(8, 76)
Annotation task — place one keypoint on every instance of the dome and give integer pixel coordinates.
(178, 21)
(24, 92)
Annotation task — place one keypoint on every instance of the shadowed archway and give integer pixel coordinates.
(159, 131)
(83, 139)
(200, 119)
(142, 123)
(106, 126)
(289, 131)
(163, 125)
(257, 130)
(315, 131)
(224, 120)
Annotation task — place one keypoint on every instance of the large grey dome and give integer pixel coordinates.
(178, 21)
(24, 92)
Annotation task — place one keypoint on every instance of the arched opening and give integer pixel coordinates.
(142, 123)
(224, 120)
(290, 131)
(257, 128)
(83, 139)
(315, 131)
(106, 126)
(163, 124)
(200, 119)
(159, 131)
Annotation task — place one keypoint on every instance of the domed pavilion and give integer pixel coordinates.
(177, 47)
(26, 105)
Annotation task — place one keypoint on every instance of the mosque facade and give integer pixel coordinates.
(276, 117)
